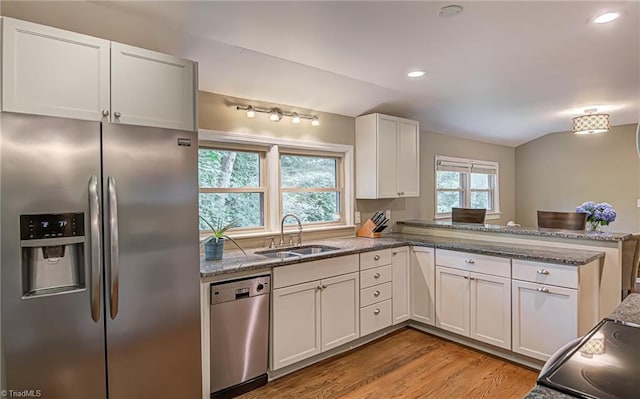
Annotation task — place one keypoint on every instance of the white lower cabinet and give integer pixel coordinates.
(544, 318)
(401, 288)
(474, 305)
(452, 302)
(490, 309)
(309, 317)
(422, 281)
(339, 307)
(296, 323)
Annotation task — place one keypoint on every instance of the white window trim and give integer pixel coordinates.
(494, 214)
(272, 225)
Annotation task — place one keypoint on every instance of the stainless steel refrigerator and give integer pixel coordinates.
(99, 259)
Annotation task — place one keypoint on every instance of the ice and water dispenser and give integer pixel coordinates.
(52, 253)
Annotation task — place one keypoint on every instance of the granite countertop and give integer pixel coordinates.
(531, 231)
(628, 310)
(235, 261)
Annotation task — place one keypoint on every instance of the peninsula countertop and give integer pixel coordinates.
(628, 310)
(527, 231)
(235, 261)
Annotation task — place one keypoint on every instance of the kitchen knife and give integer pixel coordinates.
(380, 228)
(376, 216)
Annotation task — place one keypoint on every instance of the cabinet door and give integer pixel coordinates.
(400, 284)
(423, 285)
(340, 306)
(387, 156)
(452, 303)
(295, 324)
(544, 318)
(151, 89)
(490, 309)
(409, 159)
(49, 71)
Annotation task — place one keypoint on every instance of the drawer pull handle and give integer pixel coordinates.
(545, 290)
(376, 294)
(469, 261)
(377, 257)
(376, 276)
(543, 271)
(376, 312)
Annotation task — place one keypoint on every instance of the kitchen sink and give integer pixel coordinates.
(296, 251)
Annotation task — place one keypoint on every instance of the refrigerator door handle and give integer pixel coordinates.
(114, 252)
(96, 247)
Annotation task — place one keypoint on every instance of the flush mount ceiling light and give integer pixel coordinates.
(591, 123)
(276, 114)
(450, 11)
(605, 17)
(416, 73)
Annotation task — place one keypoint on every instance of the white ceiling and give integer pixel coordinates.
(501, 72)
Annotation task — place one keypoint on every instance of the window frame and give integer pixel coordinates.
(262, 179)
(339, 188)
(272, 147)
(465, 188)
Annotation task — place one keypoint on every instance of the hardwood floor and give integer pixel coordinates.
(406, 364)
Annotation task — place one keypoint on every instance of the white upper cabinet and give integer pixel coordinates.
(387, 157)
(151, 89)
(49, 71)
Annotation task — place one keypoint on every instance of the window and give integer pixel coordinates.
(310, 187)
(465, 183)
(231, 187)
(255, 180)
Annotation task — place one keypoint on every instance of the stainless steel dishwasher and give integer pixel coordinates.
(239, 335)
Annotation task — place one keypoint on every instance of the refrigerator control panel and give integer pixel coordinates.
(51, 225)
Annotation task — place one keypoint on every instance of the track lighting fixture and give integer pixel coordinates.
(276, 114)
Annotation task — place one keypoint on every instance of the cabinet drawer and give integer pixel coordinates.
(377, 293)
(284, 276)
(375, 317)
(372, 259)
(474, 263)
(375, 276)
(546, 273)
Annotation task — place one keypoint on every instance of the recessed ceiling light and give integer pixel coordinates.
(450, 11)
(416, 74)
(606, 17)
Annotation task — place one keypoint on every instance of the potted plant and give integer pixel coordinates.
(214, 244)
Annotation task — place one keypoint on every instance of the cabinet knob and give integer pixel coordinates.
(324, 286)
(542, 271)
(545, 290)
(376, 276)
(376, 312)
(469, 261)
(377, 257)
(376, 294)
(318, 288)
(466, 277)
(105, 112)
(116, 114)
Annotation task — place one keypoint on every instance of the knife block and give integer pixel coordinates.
(367, 230)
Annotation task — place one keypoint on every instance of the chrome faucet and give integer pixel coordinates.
(282, 228)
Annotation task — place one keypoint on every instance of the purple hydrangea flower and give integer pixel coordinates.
(598, 214)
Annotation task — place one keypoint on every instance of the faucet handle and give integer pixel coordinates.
(272, 243)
